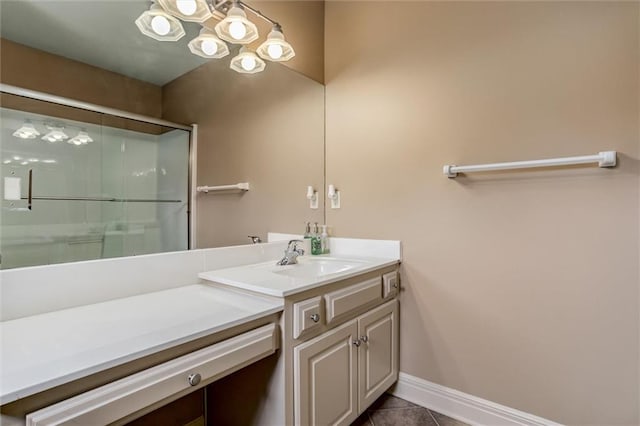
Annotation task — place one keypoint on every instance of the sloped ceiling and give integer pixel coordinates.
(102, 33)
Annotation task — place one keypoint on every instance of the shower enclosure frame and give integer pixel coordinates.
(192, 129)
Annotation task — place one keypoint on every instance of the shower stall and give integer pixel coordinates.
(82, 182)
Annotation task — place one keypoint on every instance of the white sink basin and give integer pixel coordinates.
(281, 281)
(310, 267)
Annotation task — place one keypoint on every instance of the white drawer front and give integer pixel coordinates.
(307, 315)
(343, 301)
(126, 396)
(390, 284)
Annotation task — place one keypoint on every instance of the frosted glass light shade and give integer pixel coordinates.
(275, 48)
(56, 134)
(247, 62)
(82, 138)
(27, 131)
(208, 45)
(156, 29)
(180, 8)
(226, 29)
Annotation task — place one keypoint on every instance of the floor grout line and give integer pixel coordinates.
(398, 408)
(433, 417)
(391, 408)
(370, 418)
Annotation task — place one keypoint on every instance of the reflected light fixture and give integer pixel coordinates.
(236, 28)
(159, 25)
(275, 47)
(160, 22)
(56, 134)
(27, 131)
(82, 138)
(208, 45)
(247, 62)
(187, 10)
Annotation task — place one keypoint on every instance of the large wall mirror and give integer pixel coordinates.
(80, 184)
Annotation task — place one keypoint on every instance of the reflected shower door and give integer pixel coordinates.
(101, 186)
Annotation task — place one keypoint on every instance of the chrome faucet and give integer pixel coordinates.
(291, 253)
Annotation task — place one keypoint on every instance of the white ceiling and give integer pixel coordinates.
(101, 33)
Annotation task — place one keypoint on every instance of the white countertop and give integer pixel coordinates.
(43, 351)
(281, 281)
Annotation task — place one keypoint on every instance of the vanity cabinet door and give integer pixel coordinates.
(378, 352)
(325, 382)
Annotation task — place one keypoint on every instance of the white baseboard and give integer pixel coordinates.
(462, 406)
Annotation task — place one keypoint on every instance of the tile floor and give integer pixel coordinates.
(390, 411)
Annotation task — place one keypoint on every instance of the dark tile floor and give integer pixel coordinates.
(390, 411)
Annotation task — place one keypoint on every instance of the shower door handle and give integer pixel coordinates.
(30, 190)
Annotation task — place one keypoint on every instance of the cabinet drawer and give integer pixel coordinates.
(307, 315)
(126, 396)
(343, 301)
(390, 284)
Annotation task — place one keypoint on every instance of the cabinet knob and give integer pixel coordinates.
(364, 339)
(315, 317)
(194, 379)
(356, 342)
(395, 284)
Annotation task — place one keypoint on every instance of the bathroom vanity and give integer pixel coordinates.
(324, 332)
(340, 338)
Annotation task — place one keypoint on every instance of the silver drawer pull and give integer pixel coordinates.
(194, 379)
(356, 342)
(395, 285)
(315, 317)
(364, 339)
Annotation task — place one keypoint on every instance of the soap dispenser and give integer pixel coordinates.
(324, 240)
(316, 244)
(307, 231)
(307, 237)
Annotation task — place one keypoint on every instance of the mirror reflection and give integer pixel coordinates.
(92, 191)
(108, 186)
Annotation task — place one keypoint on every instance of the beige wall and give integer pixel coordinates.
(38, 70)
(303, 26)
(520, 287)
(266, 129)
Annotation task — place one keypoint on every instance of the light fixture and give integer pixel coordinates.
(56, 134)
(161, 22)
(159, 25)
(27, 131)
(247, 62)
(82, 138)
(275, 48)
(208, 45)
(236, 28)
(49, 161)
(187, 10)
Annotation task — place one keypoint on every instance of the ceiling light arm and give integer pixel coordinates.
(261, 15)
(219, 6)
